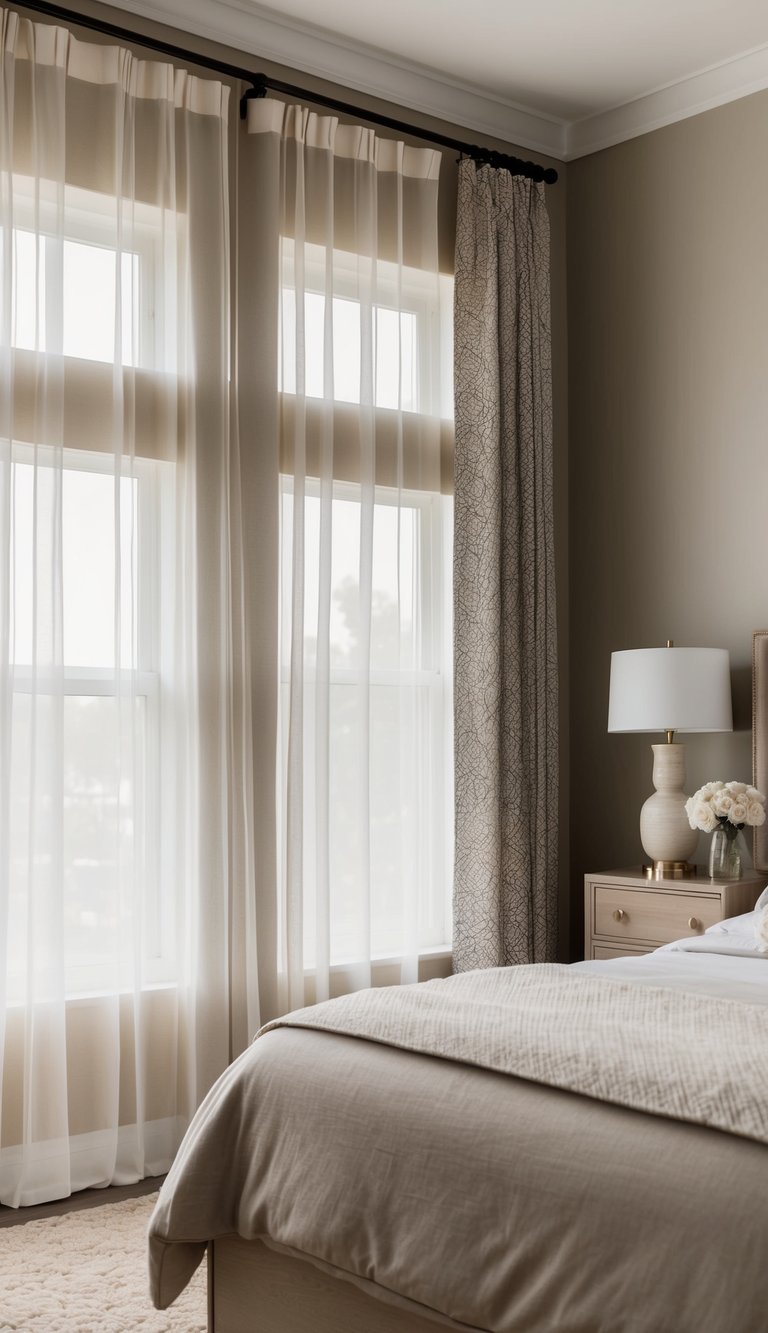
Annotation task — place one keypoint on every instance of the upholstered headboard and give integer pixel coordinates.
(760, 736)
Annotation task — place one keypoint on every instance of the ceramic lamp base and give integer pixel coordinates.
(665, 833)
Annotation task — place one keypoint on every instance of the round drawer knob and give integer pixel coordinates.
(694, 923)
(619, 914)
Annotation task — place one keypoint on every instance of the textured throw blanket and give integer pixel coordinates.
(690, 1057)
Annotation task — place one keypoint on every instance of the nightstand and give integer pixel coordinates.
(626, 913)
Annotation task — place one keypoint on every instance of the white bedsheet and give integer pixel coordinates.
(694, 965)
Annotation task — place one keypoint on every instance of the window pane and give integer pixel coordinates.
(399, 834)
(89, 304)
(85, 740)
(388, 733)
(28, 294)
(408, 314)
(395, 352)
(346, 347)
(395, 642)
(88, 830)
(396, 359)
(88, 285)
(90, 551)
(86, 578)
(408, 838)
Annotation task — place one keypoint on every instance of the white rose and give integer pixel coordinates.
(704, 817)
(722, 803)
(738, 813)
(755, 813)
(709, 788)
(737, 788)
(755, 795)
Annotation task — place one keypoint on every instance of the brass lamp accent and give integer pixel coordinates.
(669, 689)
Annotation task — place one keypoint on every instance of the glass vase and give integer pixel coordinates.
(724, 855)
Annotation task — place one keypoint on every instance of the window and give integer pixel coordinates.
(87, 324)
(408, 325)
(65, 296)
(406, 706)
(375, 702)
(91, 551)
(100, 690)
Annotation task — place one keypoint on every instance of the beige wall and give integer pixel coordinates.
(668, 337)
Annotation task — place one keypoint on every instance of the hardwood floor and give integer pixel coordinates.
(11, 1217)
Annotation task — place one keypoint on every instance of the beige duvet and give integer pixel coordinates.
(500, 1203)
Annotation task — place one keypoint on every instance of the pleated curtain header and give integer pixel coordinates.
(355, 142)
(153, 80)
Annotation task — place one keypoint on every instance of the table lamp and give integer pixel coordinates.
(669, 689)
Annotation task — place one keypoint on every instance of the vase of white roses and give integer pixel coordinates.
(724, 809)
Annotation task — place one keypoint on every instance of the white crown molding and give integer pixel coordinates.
(249, 28)
(710, 88)
(260, 32)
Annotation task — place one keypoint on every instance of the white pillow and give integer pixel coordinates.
(745, 924)
(747, 931)
(735, 925)
(761, 930)
(744, 936)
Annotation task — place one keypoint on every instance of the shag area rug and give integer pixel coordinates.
(86, 1272)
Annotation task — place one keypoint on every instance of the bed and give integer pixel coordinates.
(530, 1150)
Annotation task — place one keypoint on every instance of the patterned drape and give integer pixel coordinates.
(506, 691)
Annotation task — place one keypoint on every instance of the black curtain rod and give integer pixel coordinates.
(261, 83)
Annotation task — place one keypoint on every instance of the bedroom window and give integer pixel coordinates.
(99, 691)
(87, 326)
(365, 796)
(90, 583)
(125, 739)
(397, 686)
(65, 295)
(405, 330)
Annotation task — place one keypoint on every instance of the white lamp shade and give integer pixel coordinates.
(670, 689)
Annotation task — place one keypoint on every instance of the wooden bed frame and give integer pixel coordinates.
(255, 1289)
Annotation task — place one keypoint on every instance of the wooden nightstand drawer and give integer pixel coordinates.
(656, 916)
(619, 950)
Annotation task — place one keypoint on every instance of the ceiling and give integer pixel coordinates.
(561, 76)
(560, 57)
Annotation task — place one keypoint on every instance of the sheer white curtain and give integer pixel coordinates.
(127, 977)
(364, 795)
